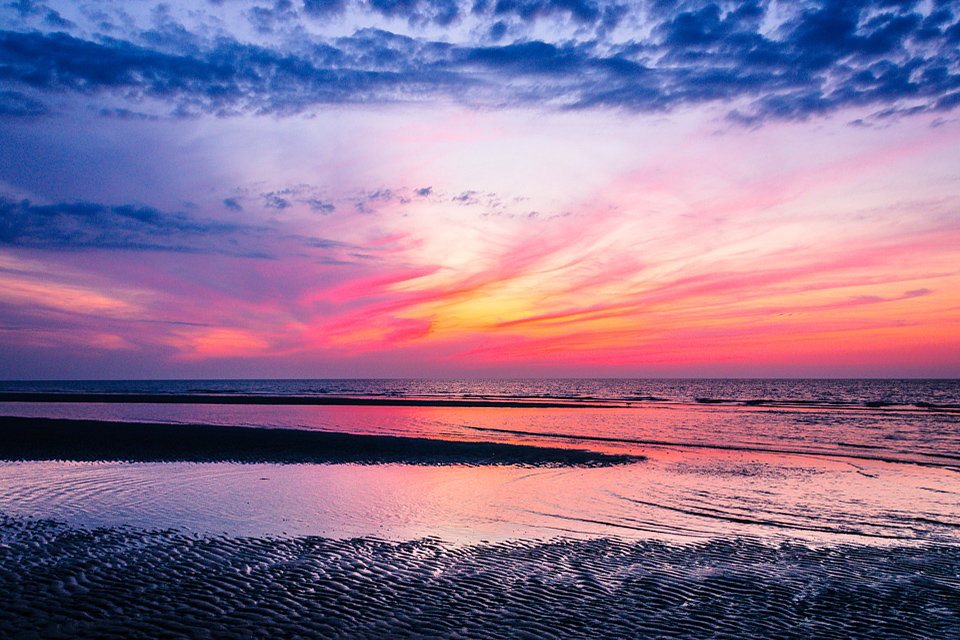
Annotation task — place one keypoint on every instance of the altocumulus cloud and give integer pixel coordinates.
(85, 225)
(88, 226)
(762, 61)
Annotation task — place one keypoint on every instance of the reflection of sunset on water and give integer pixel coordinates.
(674, 495)
(908, 434)
(817, 461)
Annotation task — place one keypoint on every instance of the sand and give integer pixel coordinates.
(60, 582)
(53, 439)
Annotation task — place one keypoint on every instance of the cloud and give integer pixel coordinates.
(126, 114)
(498, 30)
(440, 12)
(381, 195)
(577, 10)
(273, 201)
(26, 9)
(324, 8)
(14, 104)
(264, 19)
(466, 198)
(321, 206)
(584, 13)
(896, 58)
(84, 225)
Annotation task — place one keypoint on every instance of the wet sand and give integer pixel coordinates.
(54, 439)
(60, 582)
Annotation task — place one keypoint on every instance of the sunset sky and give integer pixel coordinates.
(436, 188)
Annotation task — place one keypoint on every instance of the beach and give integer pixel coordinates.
(121, 583)
(448, 516)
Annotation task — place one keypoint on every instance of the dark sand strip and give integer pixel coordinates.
(52, 439)
(122, 583)
(203, 398)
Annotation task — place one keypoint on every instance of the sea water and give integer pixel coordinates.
(825, 460)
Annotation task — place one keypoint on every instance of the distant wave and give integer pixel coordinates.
(135, 584)
(857, 452)
(397, 398)
(55, 439)
(825, 404)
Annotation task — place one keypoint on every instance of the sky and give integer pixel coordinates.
(479, 188)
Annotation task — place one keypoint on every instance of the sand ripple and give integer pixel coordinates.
(59, 582)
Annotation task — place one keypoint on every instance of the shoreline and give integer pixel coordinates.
(203, 398)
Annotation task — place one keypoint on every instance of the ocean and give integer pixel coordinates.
(480, 508)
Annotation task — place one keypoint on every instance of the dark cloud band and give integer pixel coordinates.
(84, 225)
(829, 56)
